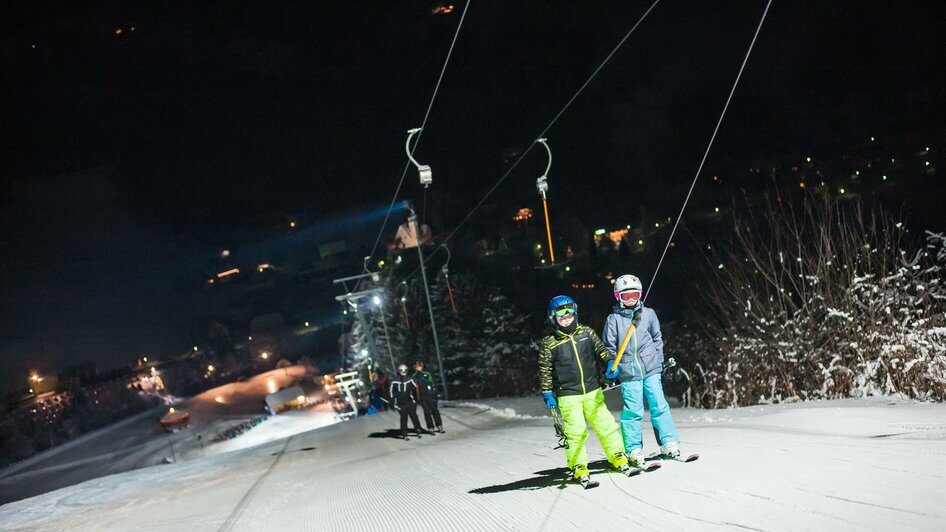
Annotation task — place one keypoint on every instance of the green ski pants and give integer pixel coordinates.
(576, 409)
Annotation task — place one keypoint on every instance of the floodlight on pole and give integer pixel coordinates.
(426, 176)
(542, 185)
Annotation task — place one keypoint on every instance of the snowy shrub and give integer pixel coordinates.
(821, 301)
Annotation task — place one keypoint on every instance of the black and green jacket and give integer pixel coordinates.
(424, 381)
(570, 364)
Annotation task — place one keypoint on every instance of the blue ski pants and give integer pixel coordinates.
(632, 415)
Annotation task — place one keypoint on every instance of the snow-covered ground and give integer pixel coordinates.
(875, 464)
(139, 441)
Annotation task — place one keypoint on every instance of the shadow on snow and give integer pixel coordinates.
(558, 477)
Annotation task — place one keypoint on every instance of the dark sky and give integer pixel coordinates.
(125, 158)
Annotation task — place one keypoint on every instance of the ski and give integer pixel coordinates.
(632, 471)
(692, 457)
(651, 466)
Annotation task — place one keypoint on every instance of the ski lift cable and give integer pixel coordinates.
(708, 148)
(419, 133)
(554, 120)
(541, 135)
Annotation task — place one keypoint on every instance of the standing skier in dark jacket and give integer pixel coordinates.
(428, 397)
(569, 368)
(404, 398)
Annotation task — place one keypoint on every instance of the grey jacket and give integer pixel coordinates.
(644, 355)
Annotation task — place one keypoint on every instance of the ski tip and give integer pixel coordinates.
(692, 457)
(652, 466)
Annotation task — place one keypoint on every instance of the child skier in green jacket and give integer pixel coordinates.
(569, 375)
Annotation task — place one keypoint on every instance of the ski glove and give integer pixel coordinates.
(550, 401)
(611, 375)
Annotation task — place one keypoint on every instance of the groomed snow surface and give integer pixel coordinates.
(876, 464)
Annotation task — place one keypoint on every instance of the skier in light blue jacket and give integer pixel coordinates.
(640, 370)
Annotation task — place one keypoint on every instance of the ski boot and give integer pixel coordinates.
(629, 471)
(440, 429)
(670, 450)
(637, 459)
(581, 474)
(587, 483)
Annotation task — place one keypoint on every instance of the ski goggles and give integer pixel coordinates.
(631, 296)
(559, 312)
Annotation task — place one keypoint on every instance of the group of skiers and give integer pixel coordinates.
(407, 390)
(571, 362)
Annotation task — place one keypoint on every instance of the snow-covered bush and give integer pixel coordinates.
(822, 301)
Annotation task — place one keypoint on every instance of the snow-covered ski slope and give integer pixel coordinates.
(876, 464)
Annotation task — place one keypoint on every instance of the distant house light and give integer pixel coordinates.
(523, 215)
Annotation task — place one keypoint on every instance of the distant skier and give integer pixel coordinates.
(569, 369)
(641, 367)
(428, 397)
(404, 399)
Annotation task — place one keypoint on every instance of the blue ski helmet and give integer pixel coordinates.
(560, 301)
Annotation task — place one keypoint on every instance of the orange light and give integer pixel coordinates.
(228, 272)
(118, 31)
(523, 214)
(801, 185)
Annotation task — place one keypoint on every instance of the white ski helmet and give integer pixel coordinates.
(625, 283)
(628, 285)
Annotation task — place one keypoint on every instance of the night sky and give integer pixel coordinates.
(140, 136)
